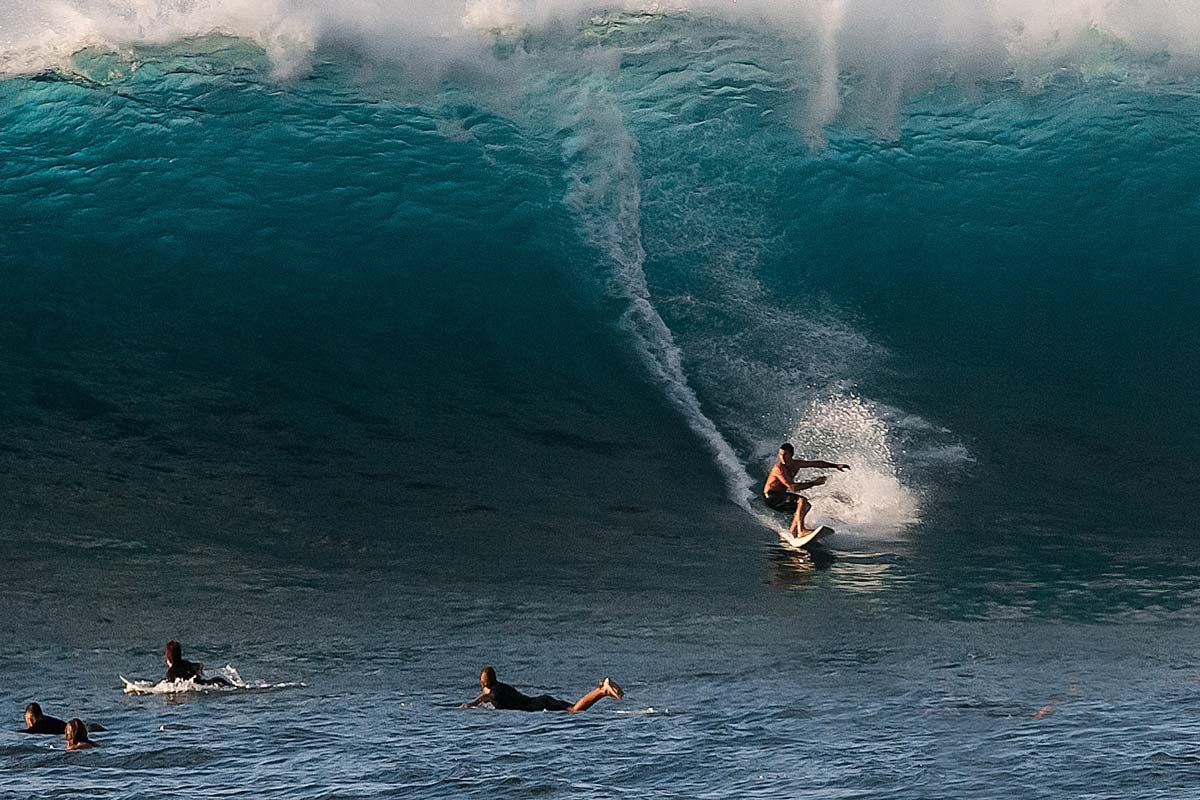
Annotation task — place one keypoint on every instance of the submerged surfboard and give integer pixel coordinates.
(822, 532)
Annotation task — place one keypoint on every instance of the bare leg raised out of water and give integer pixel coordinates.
(607, 688)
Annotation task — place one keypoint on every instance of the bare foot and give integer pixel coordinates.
(611, 688)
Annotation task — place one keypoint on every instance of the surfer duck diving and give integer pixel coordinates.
(782, 491)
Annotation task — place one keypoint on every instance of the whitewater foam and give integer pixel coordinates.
(236, 684)
(895, 47)
(870, 496)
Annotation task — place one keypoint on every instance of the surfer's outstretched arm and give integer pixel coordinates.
(478, 701)
(820, 465)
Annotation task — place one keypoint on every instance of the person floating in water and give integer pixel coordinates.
(77, 736)
(781, 491)
(37, 722)
(502, 696)
(179, 669)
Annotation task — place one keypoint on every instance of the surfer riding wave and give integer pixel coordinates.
(781, 491)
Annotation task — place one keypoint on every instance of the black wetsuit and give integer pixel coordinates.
(183, 670)
(505, 697)
(51, 725)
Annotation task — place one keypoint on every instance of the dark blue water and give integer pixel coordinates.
(362, 377)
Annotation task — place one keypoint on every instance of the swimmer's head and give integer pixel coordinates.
(76, 732)
(487, 678)
(174, 652)
(786, 450)
(33, 712)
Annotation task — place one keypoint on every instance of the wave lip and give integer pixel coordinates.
(893, 48)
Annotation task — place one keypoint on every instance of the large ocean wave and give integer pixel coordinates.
(908, 240)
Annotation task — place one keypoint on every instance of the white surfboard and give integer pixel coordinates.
(137, 687)
(179, 687)
(821, 532)
(172, 687)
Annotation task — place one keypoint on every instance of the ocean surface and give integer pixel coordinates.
(357, 346)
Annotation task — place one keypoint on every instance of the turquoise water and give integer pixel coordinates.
(368, 361)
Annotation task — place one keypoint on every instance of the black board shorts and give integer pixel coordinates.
(785, 502)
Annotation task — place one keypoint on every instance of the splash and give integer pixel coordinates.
(236, 684)
(869, 497)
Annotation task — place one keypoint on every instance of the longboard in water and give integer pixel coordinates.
(822, 532)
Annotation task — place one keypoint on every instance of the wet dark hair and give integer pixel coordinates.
(488, 673)
(788, 447)
(174, 651)
(76, 731)
(33, 708)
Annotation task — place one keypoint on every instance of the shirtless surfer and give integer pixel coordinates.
(502, 696)
(781, 491)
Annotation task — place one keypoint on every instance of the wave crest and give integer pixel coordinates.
(893, 47)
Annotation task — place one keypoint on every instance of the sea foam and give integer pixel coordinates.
(898, 46)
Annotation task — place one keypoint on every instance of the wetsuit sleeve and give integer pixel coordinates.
(51, 725)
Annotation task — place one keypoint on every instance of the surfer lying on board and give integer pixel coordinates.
(502, 696)
(37, 722)
(179, 669)
(781, 489)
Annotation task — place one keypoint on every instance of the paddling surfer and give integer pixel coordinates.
(180, 669)
(37, 722)
(781, 491)
(502, 696)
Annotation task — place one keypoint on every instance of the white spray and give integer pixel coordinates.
(894, 44)
(605, 193)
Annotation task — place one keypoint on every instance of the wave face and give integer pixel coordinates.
(950, 245)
